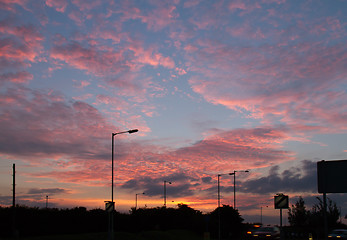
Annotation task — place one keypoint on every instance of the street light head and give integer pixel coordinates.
(231, 173)
(133, 131)
(169, 182)
(247, 171)
(143, 193)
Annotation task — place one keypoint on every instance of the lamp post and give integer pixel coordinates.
(234, 173)
(111, 224)
(261, 215)
(165, 191)
(136, 199)
(218, 185)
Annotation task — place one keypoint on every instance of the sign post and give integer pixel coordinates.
(281, 201)
(332, 178)
(109, 207)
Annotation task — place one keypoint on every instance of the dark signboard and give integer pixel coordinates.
(281, 201)
(332, 176)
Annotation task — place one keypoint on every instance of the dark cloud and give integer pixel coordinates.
(181, 185)
(6, 200)
(206, 179)
(295, 179)
(50, 191)
(34, 197)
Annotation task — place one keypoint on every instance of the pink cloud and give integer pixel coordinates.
(18, 77)
(260, 83)
(246, 31)
(181, 71)
(234, 5)
(19, 45)
(90, 59)
(86, 176)
(44, 125)
(77, 17)
(161, 16)
(9, 5)
(59, 5)
(154, 59)
(84, 5)
(81, 84)
(191, 3)
(235, 149)
(245, 6)
(107, 62)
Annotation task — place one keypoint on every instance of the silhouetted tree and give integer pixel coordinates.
(297, 214)
(162, 218)
(316, 215)
(230, 222)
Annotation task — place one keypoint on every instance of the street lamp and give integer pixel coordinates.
(234, 173)
(218, 176)
(261, 214)
(136, 199)
(165, 191)
(111, 225)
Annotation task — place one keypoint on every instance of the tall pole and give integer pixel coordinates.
(111, 223)
(135, 201)
(234, 173)
(261, 215)
(218, 190)
(46, 202)
(219, 220)
(218, 207)
(111, 218)
(235, 190)
(14, 186)
(14, 231)
(165, 192)
(281, 218)
(113, 134)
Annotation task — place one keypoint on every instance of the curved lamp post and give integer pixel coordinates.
(261, 214)
(111, 225)
(165, 191)
(136, 199)
(218, 184)
(234, 173)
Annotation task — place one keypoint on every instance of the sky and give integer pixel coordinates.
(212, 86)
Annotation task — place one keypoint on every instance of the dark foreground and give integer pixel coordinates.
(147, 235)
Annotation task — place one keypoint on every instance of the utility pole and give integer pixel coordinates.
(14, 186)
(14, 231)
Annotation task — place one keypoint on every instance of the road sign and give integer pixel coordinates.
(109, 206)
(332, 176)
(281, 201)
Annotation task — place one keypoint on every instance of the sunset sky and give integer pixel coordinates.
(213, 87)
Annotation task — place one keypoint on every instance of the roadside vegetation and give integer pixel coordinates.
(181, 223)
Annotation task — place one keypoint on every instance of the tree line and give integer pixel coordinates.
(300, 216)
(304, 220)
(34, 221)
